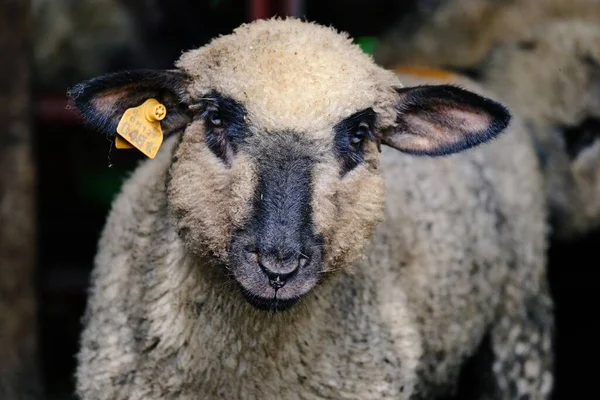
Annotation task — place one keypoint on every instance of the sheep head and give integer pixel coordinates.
(276, 175)
(551, 76)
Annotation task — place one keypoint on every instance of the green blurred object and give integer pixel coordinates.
(367, 44)
(100, 188)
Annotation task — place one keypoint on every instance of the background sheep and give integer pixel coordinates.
(550, 76)
(272, 183)
(74, 40)
(458, 33)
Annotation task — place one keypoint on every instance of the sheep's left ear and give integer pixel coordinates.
(436, 120)
(102, 101)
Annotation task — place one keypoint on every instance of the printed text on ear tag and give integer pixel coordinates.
(140, 127)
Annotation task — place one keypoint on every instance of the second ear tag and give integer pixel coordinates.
(140, 127)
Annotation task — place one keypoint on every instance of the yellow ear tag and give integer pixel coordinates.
(139, 127)
(121, 143)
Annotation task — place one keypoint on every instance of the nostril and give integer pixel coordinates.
(278, 271)
(303, 260)
(252, 253)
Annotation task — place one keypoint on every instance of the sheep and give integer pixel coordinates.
(458, 33)
(313, 228)
(550, 76)
(76, 39)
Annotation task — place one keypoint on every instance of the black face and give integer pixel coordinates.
(579, 137)
(276, 258)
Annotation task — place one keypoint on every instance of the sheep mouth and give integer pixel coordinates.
(273, 304)
(259, 292)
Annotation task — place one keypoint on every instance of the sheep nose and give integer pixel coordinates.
(279, 270)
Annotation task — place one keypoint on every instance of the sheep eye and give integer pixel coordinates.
(224, 125)
(214, 118)
(360, 134)
(216, 121)
(350, 135)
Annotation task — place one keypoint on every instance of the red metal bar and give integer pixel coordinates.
(259, 9)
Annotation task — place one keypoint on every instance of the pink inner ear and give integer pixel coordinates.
(410, 141)
(425, 128)
(466, 121)
(108, 100)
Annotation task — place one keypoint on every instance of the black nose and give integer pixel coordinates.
(279, 270)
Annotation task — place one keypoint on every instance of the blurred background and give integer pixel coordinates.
(57, 180)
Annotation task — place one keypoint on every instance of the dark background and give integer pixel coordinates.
(79, 173)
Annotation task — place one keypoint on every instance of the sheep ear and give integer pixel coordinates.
(436, 120)
(102, 101)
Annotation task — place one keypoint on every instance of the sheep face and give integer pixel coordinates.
(276, 175)
(552, 76)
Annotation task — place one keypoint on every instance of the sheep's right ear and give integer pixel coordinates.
(102, 101)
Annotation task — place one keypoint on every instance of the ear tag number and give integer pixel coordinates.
(140, 128)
